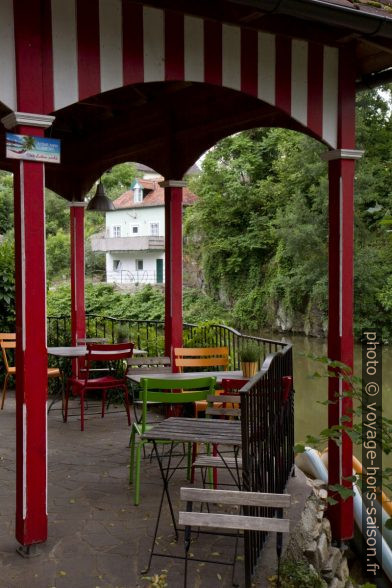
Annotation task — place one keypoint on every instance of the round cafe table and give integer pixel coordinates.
(74, 352)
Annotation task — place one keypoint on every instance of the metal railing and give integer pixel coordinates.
(135, 277)
(150, 335)
(267, 425)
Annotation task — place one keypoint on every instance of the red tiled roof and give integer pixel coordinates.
(148, 184)
(153, 198)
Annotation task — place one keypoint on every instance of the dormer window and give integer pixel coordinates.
(138, 194)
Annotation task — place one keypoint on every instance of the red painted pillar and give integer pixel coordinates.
(173, 265)
(78, 314)
(340, 311)
(31, 353)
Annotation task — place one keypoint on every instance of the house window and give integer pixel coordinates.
(116, 264)
(138, 194)
(117, 231)
(139, 264)
(154, 229)
(135, 229)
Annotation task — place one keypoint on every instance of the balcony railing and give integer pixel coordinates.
(136, 277)
(150, 335)
(267, 426)
(139, 243)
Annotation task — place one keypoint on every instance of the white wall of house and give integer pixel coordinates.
(131, 267)
(135, 266)
(136, 222)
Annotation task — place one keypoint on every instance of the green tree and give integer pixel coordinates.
(58, 256)
(7, 287)
(259, 229)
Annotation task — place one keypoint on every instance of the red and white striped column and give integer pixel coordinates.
(173, 265)
(78, 313)
(31, 352)
(341, 167)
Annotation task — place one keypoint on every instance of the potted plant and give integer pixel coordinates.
(249, 358)
(122, 334)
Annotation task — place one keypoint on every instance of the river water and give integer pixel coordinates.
(310, 416)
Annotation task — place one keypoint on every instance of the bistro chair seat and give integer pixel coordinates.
(97, 353)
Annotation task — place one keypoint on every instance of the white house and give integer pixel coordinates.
(134, 238)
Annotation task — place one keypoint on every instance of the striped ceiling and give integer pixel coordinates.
(97, 46)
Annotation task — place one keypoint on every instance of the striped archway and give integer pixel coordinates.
(89, 48)
(57, 54)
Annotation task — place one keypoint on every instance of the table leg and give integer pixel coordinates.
(165, 478)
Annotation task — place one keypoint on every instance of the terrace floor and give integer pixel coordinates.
(97, 538)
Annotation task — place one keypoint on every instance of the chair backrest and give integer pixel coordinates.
(216, 406)
(192, 357)
(234, 498)
(7, 336)
(229, 395)
(7, 345)
(109, 352)
(149, 365)
(97, 352)
(161, 391)
(230, 384)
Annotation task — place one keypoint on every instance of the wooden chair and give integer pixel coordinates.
(7, 336)
(201, 357)
(237, 522)
(224, 406)
(149, 365)
(11, 370)
(97, 353)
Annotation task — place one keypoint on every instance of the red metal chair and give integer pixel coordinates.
(80, 385)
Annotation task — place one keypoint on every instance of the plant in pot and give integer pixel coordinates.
(122, 334)
(249, 358)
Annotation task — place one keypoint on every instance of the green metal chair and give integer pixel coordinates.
(161, 391)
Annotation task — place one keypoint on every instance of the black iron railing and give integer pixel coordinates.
(267, 422)
(150, 335)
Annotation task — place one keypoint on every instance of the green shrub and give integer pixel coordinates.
(299, 574)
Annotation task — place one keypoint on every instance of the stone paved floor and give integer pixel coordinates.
(97, 538)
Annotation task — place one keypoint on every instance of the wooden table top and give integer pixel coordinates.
(197, 431)
(219, 375)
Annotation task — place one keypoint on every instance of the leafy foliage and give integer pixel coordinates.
(145, 304)
(7, 287)
(260, 226)
(299, 574)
